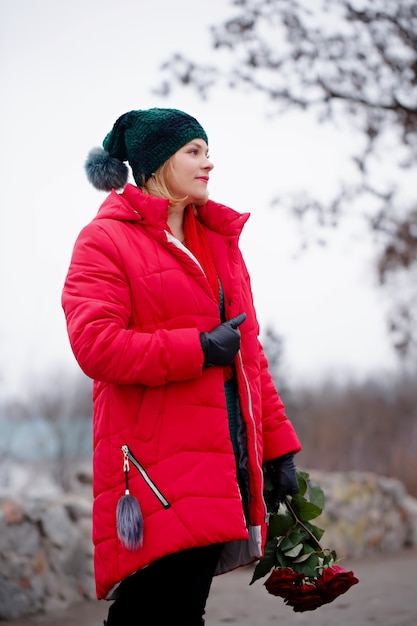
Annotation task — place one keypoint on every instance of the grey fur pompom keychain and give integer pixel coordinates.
(129, 519)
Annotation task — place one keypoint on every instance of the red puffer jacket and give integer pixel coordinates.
(135, 304)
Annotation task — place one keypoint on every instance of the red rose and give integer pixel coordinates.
(283, 582)
(307, 598)
(287, 584)
(334, 581)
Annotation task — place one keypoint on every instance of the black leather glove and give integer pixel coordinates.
(221, 345)
(282, 474)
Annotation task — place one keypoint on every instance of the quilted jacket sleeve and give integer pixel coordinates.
(97, 304)
(279, 436)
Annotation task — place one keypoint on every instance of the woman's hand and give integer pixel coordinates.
(282, 474)
(221, 345)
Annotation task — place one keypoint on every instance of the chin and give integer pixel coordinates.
(201, 200)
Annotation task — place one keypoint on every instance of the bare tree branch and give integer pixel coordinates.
(353, 61)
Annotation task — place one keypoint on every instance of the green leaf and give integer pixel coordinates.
(282, 560)
(303, 474)
(262, 569)
(280, 524)
(292, 540)
(317, 532)
(308, 567)
(268, 561)
(308, 541)
(302, 478)
(295, 551)
(303, 557)
(316, 494)
(305, 510)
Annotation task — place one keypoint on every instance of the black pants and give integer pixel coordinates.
(172, 590)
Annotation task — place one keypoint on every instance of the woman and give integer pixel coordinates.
(160, 314)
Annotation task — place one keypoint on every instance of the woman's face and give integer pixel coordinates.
(190, 172)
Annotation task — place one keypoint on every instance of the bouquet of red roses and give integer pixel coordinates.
(303, 573)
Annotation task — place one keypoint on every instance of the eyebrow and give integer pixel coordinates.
(198, 145)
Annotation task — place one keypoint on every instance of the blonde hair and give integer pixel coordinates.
(158, 184)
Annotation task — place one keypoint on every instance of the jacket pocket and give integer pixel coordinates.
(130, 457)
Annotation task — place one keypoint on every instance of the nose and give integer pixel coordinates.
(208, 165)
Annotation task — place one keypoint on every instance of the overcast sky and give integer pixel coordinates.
(68, 70)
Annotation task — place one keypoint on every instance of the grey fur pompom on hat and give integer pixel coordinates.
(105, 172)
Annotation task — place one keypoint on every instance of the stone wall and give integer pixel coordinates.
(46, 555)
(365, 513)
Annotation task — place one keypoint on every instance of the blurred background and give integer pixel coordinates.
(311, 113)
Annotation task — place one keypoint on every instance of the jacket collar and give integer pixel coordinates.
(222, 218)
(135, 206)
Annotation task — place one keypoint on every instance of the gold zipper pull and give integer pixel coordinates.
(126, 465)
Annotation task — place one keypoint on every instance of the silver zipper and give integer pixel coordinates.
(128, 455)
(250, 408)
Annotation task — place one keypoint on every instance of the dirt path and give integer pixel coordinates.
(385, 596)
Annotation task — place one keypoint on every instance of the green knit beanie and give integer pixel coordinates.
(144, 138)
